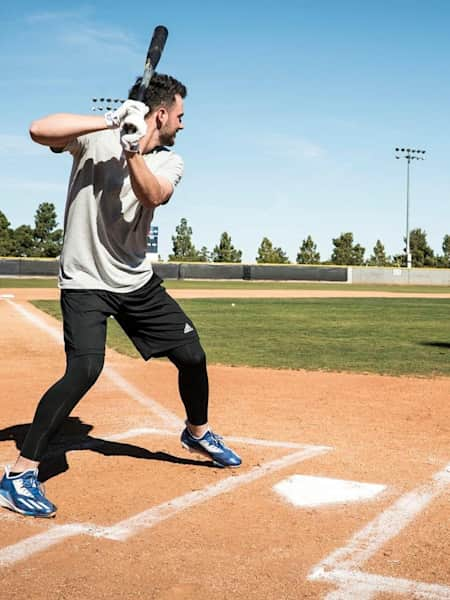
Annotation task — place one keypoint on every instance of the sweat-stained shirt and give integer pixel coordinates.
(105, 225)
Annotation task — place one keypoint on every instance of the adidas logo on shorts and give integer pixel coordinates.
(188, 328)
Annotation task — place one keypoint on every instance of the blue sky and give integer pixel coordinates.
(293, 113)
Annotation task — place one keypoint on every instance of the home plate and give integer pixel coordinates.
(304, 490)
(5, 296)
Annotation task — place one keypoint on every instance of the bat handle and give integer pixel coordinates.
(128, 128)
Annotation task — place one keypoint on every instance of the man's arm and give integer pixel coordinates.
(149, 189)
(59, 129)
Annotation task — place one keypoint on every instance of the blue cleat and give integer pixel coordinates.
(24, 494)
(212, 446)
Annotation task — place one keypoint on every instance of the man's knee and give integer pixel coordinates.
(188, 356)
(86, 369)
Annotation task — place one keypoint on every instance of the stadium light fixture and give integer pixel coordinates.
(408, 154)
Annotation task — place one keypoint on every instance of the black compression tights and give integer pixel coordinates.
(81, 374)
(190, 361)
(58, 402)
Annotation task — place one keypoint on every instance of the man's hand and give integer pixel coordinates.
(133, 129)
(115, 119)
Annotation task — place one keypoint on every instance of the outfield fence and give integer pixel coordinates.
(26, 267)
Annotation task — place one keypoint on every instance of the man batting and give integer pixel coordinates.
(122, 171)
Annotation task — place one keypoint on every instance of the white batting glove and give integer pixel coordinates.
(115, 118)
(133, 129)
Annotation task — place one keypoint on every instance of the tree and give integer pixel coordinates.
(268, 254)
(23, 238)
(446, 246)
(225, 251)
(345, 252)
(47, 239)
(6, 241)
(183, 248)
(444, 260)
(204, 255)
(307, 254)
(379, 257)
(421, 253)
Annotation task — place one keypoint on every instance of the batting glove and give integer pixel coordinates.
(133, 129)
(115, 118)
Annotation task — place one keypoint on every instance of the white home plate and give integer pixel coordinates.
(304, 490)
(5, 296)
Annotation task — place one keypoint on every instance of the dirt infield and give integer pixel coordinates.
(140, 518)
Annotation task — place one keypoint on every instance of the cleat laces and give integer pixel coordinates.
(218, 439)
(31, 483)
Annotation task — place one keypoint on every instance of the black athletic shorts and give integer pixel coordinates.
(152, 320)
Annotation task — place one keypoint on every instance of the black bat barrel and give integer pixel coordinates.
(153, 55)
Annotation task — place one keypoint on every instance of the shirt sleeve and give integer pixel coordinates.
(75, 146)
(172, 168)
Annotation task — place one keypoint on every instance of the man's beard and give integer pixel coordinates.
(167, 138)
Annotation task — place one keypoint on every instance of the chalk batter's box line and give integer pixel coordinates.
(357, 585)
(143, 431)
(127, 528)
(343, 566)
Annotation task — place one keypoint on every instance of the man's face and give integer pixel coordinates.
(173, 123)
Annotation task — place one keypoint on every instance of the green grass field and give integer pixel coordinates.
(11, 282)
(389, 336)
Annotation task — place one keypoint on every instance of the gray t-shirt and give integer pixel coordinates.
(105, 226)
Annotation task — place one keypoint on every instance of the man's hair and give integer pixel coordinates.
(160, 92)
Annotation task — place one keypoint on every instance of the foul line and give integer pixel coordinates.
(127, 528)
(168, 418)
(343, 565)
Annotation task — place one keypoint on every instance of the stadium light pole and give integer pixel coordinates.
(409, 154)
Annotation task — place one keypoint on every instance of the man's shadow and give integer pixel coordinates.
(74, 435)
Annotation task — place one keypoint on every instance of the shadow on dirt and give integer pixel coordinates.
(74, 435)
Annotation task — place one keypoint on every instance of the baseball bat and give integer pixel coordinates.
(154, 52)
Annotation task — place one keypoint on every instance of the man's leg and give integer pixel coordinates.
(20, 489)
(190, 361)
(158, 326)
(56, 405)
(85, 315)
